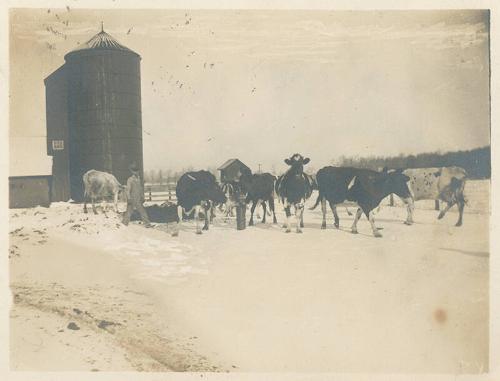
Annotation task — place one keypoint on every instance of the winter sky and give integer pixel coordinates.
(261, 85)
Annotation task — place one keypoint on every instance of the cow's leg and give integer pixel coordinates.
(323, 211)
(354, 227)
(448, 206)
(212, 212)
(265, 211)
(177, 228)
(436, 205)
(207, 209)
(461, 205)
(410, 206)
(299, 210)
(375, 231)
(349, 213)
(252, 210)
(288, 215)
(259, 202)
(335, 214)
(197, 210)
(85, 199)
(271, 206)
(93, 205)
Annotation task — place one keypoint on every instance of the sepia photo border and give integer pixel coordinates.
(494, 260)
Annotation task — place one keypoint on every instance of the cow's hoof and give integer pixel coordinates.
(275, 222)
(205, 228)
(441, 215)
(176, 234)
(288, 230)
(301, 225)
(377, 235)
(284, 226)
(95, 213)
(299, 231)
(85, 211)
(408, 223)
(198, 232)
(459, 223)
(354, 231)
(323, 226)
(337, 226)
(250, 223)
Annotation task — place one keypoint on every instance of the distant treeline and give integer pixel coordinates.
(476, 162)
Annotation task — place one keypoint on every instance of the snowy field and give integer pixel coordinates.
(92, 294)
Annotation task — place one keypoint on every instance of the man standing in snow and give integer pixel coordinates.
(135, 197)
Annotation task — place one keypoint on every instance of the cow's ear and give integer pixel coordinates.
(306, 160)
(288, 161)
(436, 174)
(407, 178)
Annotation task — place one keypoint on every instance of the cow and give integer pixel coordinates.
(365, 187)
(441, 184)
(259, 189)
(293, 189)
(100, 186)
(196, 191)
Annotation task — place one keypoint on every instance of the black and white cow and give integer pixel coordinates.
(293, 189)
(259, 190)
(441, 184)
(365, 187)
(196, 191)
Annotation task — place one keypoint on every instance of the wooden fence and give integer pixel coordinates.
(159, 192)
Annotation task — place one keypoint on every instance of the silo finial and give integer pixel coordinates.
(102, 26)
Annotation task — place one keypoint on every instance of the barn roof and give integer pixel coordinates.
(28, 156)
(231, 161)
(101, 41)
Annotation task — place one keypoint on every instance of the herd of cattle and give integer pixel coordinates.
(199, 193)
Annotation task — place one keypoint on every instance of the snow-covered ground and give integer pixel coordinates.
(415, 300)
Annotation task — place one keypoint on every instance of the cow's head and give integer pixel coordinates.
(297, 162)
(216, 194)
(397, 183)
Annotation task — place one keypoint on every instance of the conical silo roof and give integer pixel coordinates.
(101, 41)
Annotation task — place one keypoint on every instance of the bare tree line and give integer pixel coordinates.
(477, 162)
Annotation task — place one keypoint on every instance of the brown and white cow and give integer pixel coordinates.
(101, 186)
(443, 184)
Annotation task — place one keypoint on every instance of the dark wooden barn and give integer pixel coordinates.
(232, 169)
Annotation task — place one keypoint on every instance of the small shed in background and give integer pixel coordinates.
(30, 177)
(232, 169)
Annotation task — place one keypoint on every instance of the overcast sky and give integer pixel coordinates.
(261, 85)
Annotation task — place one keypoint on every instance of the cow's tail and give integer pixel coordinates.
(317, 202)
